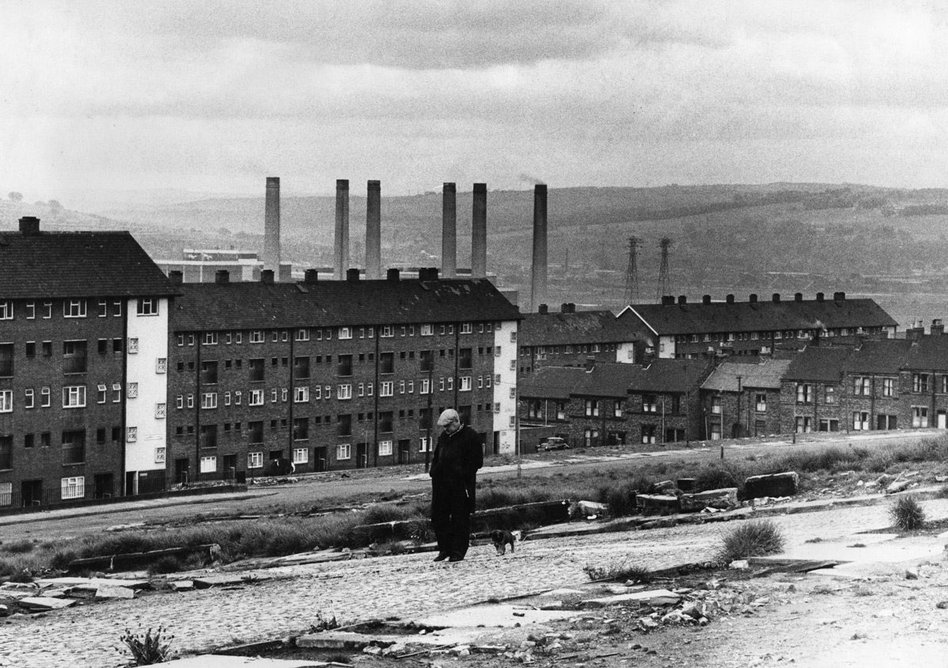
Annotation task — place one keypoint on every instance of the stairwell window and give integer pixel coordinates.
(148, 306)
(6, 309)
(74, 308)
(6, 401)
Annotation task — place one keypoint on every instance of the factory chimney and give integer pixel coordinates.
(271, 226)
(479, 232)
(449, 230)
(538, 283)
(342, 229)
(373, 231)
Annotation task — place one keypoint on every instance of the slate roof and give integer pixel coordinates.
(929, 353)
(613, 379)
(765, 374)
(883, 356)
(551, 382)
(553, 329)
(257, 305)
(77, 264)
(822, 364)
(762, 316)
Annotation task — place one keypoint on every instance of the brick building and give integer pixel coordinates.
(83, 332)
(742, 398)
(873, 388)
(570, 338)
(811, 390)
(681, 329)
(335, 374)
(618, 404)
(923, 380)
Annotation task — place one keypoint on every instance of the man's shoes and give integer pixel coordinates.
(455, 558)
(441, 556)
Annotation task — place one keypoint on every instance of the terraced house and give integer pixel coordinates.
(324, 375)
(83, 362)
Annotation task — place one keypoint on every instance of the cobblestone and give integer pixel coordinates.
(404, 586)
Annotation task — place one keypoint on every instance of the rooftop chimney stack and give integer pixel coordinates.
(449, 230)
(271, 226)
(538, 286)
(342, 229)
(479, 232)
(373, 231)
(29, 225)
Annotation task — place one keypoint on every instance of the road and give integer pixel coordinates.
(327, 489)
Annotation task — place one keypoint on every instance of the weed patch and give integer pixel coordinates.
(907, 514)
(754, 539)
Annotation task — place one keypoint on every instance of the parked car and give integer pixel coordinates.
(553, 443)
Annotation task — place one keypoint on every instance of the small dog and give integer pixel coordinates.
(501, 539)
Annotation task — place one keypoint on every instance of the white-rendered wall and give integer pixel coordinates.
(505, 367)
(148, 451)
(625, 353)
(666, 347)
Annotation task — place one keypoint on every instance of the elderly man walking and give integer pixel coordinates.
(457, 457)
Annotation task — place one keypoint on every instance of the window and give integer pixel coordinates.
(161, 365)
(649, 404)
(29, 398)
(254, 460)
(804, 425)
(255, 429)
(209, 339)
(386, 362)
(209, 400)
(74, 396)
(302, 335)
(74, 357)
(301, 395)
(345, 333)
(386, 331)
(30, 310)
(465, 384)
(860, 421)
(424, 386)
(344, 391)
(74, 308)
(256, 367)
(804, 395)
(919, 382)
(888, 387)
(47, 310)
(591, 408)
(300, 429)
(161, 411)
(74, 446)
(617, 409)
(648, 433)
(73, 488)
(344, 365)
(919, 416)
(760, 402)
(426, 330)
(148, 306)
(256, 398)
(301, 367)
(829, 394)
(209, 464)
(386, 420)
(257, 336)
(343, 451)
(861, 386)
(386, 388)
(344, 425)
(45, 399)
(6, 309)
(424, 444)
(828, 424)
(6, 401)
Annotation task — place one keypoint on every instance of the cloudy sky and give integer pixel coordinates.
(215, 96)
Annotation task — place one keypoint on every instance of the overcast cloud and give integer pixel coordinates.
(215, 96)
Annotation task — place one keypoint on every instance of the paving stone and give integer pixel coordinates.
(335, 640)
(720, 499)
(43, 603)
(26, 587)
(107, 591)
(182, 585)
(651, 596)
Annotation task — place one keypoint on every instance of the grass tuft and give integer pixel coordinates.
(907, 514)
(754, 539)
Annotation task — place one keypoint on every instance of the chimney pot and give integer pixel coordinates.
(752, 299)
(564, 308)
(798, 297)
(572, 307)
(176, 276)
(706, 299)
(776, 297)
(839, 296)
(266, 276)
(729, 299)
(820, 296)
(543, 309)
(222, 277)
(393, 274)
(668, 300)
(682, 299)
(29, 225)
(311, 276)
(352, 274)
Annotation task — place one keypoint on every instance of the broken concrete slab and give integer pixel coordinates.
(226, 580)
(226, 661)
(93, 583)
(500, 614)
(44, 603)
(654, 597)
(898, 486)
(721, 499)
(342, 640)
(106, 591)
(182, 585)
(773, 484)
(657, 503)
(27, 587)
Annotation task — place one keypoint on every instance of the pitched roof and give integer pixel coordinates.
(928, 353)
(825, 364)
(551, 382)
(882, 356)
(257, 305)
(697, 318)
(77, 264)
(551, 329)
(765, 374)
